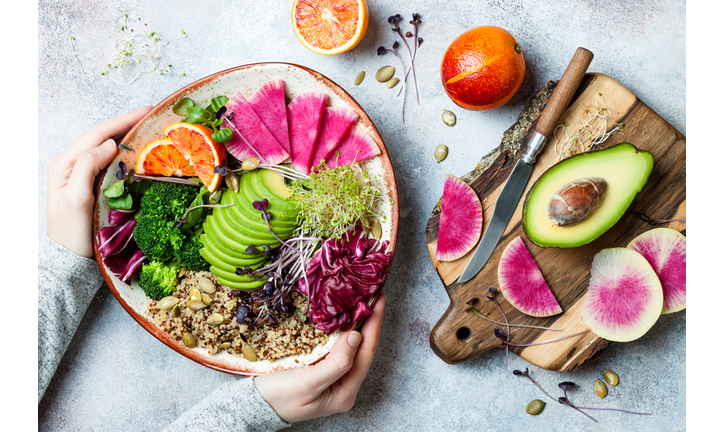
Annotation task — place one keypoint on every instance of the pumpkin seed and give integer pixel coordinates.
(232, 181)
(189, 340)
(215, 197)
(385, 73)
(535, 407)
(600, 388)
(250, 163)
(225, 345)
(194, 294)
(206, 299)
(440, 153)
(449, 118)
(393, 82)
(376, 229)
(215, 319)
(167, 303)
(206, 285)
(176, 311)
(248, 352)
(182, 272)
(196, 305)
(359, 78)
(611, 377)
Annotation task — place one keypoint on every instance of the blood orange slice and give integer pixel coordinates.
(194, 142)
(161, 157)
(330, 26)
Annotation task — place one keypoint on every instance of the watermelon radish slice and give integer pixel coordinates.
(522, 282)
(356, 146)
(337, 122)
(665, 250)
(305, 114)
(624, 297)
(254, 131)
(461, 220)
(271, 107)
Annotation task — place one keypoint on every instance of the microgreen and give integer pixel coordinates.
(332, 201)
(211, 116)
(658, 221)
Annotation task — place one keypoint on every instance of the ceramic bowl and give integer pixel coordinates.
(245, 79)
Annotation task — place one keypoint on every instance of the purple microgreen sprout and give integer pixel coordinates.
(182, 220)
(525, 374)
(381, 51)
(471, 308)
(221, 170)
(492, 291)
(233, 127)
(285, 172)
(416, 21)
(659, 221)
(508, 343)
(139, 177)
(122, 171)
(221, 112)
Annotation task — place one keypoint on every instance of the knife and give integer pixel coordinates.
(509, 196)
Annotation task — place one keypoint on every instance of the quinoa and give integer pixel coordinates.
(289, 337)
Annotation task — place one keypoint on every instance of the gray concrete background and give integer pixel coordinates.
(116, 376)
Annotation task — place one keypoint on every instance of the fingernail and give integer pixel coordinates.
(108, 145)
(354, 339)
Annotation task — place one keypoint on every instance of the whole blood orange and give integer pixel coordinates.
(482, 68)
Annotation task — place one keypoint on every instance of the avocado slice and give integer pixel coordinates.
(624, 168)
(245, 214)
(245, 285)
(230, 239)
(247, 229)
(249, 185)
(216, 254)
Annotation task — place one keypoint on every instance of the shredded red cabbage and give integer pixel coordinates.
(127, 262)
(342, 277)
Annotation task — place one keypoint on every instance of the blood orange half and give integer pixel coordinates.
(161, 157)
(330, 26)
(194, 142)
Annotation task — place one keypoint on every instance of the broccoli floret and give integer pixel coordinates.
(158, 238)
(189, 255)
(168, 200)
(158, 280)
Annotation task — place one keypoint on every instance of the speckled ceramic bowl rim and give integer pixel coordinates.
(167, 104)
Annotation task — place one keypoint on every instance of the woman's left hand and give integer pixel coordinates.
(70, 181)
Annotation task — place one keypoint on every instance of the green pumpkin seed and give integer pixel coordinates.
(225, 345)
(215, 319)
(232, 181)
(393, 82)
(535, 407)
(176, 311)
(385, 73)
(189, 340)
(359, 78)
(376, 229)
(248, 352)
(250, 163)
(167, 303)
(449, 118)
(600, 388)
(215, 196)
(611, 377)
(206, 285)
(440, 153)
(196, 305)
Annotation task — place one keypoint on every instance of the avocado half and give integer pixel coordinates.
(624, 167)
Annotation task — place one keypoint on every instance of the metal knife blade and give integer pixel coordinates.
(509, 196)
(505, 204)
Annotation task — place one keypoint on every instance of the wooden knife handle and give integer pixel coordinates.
(562, 95)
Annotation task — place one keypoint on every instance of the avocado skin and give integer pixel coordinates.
(592, 228)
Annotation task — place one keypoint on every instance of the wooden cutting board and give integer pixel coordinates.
(461, 335)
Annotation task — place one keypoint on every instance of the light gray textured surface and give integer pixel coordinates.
(117, 376)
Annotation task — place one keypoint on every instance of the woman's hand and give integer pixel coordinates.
(70, 181)
(331, 385)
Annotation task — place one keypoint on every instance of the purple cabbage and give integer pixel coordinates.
(341, 279)
(120, 252)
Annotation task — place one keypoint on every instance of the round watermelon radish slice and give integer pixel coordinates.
(665, 250)
(522, 282)
(461, 220)
(624, 297)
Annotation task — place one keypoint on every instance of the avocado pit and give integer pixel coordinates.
(577, 200)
